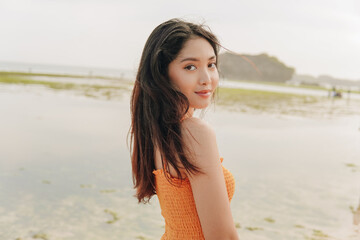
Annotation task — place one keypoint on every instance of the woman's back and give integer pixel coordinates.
(178, 206)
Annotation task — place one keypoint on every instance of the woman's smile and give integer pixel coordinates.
(195, 71)
(204, 93)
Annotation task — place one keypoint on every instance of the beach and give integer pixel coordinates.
(66, 170)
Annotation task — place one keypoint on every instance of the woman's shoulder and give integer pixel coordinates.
(197, 127)
(200, 138)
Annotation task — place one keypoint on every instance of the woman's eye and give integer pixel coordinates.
(212, 65)
(190, 67)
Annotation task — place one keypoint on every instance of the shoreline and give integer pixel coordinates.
(258, 100)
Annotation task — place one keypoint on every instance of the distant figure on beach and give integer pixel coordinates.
(335, 94)
(348, 93)
(174, 154)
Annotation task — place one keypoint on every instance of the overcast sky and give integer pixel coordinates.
(314, 36)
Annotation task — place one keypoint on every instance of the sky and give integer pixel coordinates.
(314, 36)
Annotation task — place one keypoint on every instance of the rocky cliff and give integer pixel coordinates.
(253, 68)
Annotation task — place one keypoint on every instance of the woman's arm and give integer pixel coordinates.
(209, 189)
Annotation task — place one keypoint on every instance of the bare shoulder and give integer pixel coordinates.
(215, 215)
(199, 137)
(197, 128)
(209, 189)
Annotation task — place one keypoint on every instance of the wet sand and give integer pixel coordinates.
(66, 170)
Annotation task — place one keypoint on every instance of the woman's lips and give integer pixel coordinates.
(204, 93)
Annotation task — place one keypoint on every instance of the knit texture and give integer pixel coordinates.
(178, 206)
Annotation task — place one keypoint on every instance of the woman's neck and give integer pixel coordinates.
(189, 114)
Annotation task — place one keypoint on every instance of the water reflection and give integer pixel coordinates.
(65, 171)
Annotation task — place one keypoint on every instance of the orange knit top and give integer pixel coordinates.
(178, 206)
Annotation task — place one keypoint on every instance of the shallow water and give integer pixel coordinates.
(84, 80)
(283, 89)
(65, 171)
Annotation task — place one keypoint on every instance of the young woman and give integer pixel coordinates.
(175, 155)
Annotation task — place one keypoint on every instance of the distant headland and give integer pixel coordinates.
(266, 68)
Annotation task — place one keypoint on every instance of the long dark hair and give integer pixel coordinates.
(157, 107)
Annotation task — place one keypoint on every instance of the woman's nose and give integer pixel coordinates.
(205, 77)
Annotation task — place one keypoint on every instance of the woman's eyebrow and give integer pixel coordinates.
(195, 59)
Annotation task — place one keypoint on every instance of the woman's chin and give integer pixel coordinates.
(200, 106)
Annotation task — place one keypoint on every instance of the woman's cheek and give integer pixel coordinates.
(215, 79)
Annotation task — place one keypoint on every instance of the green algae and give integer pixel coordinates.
(269, 219)
(114, 216)
(254, 228)
(353, 167)
(319, 233)
(141, 238)
(40, 236)
(108, 191)
(299, 226)
(29, 74)
(56, 85)
(46, 182)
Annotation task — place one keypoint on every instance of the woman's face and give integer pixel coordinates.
(194, 72)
